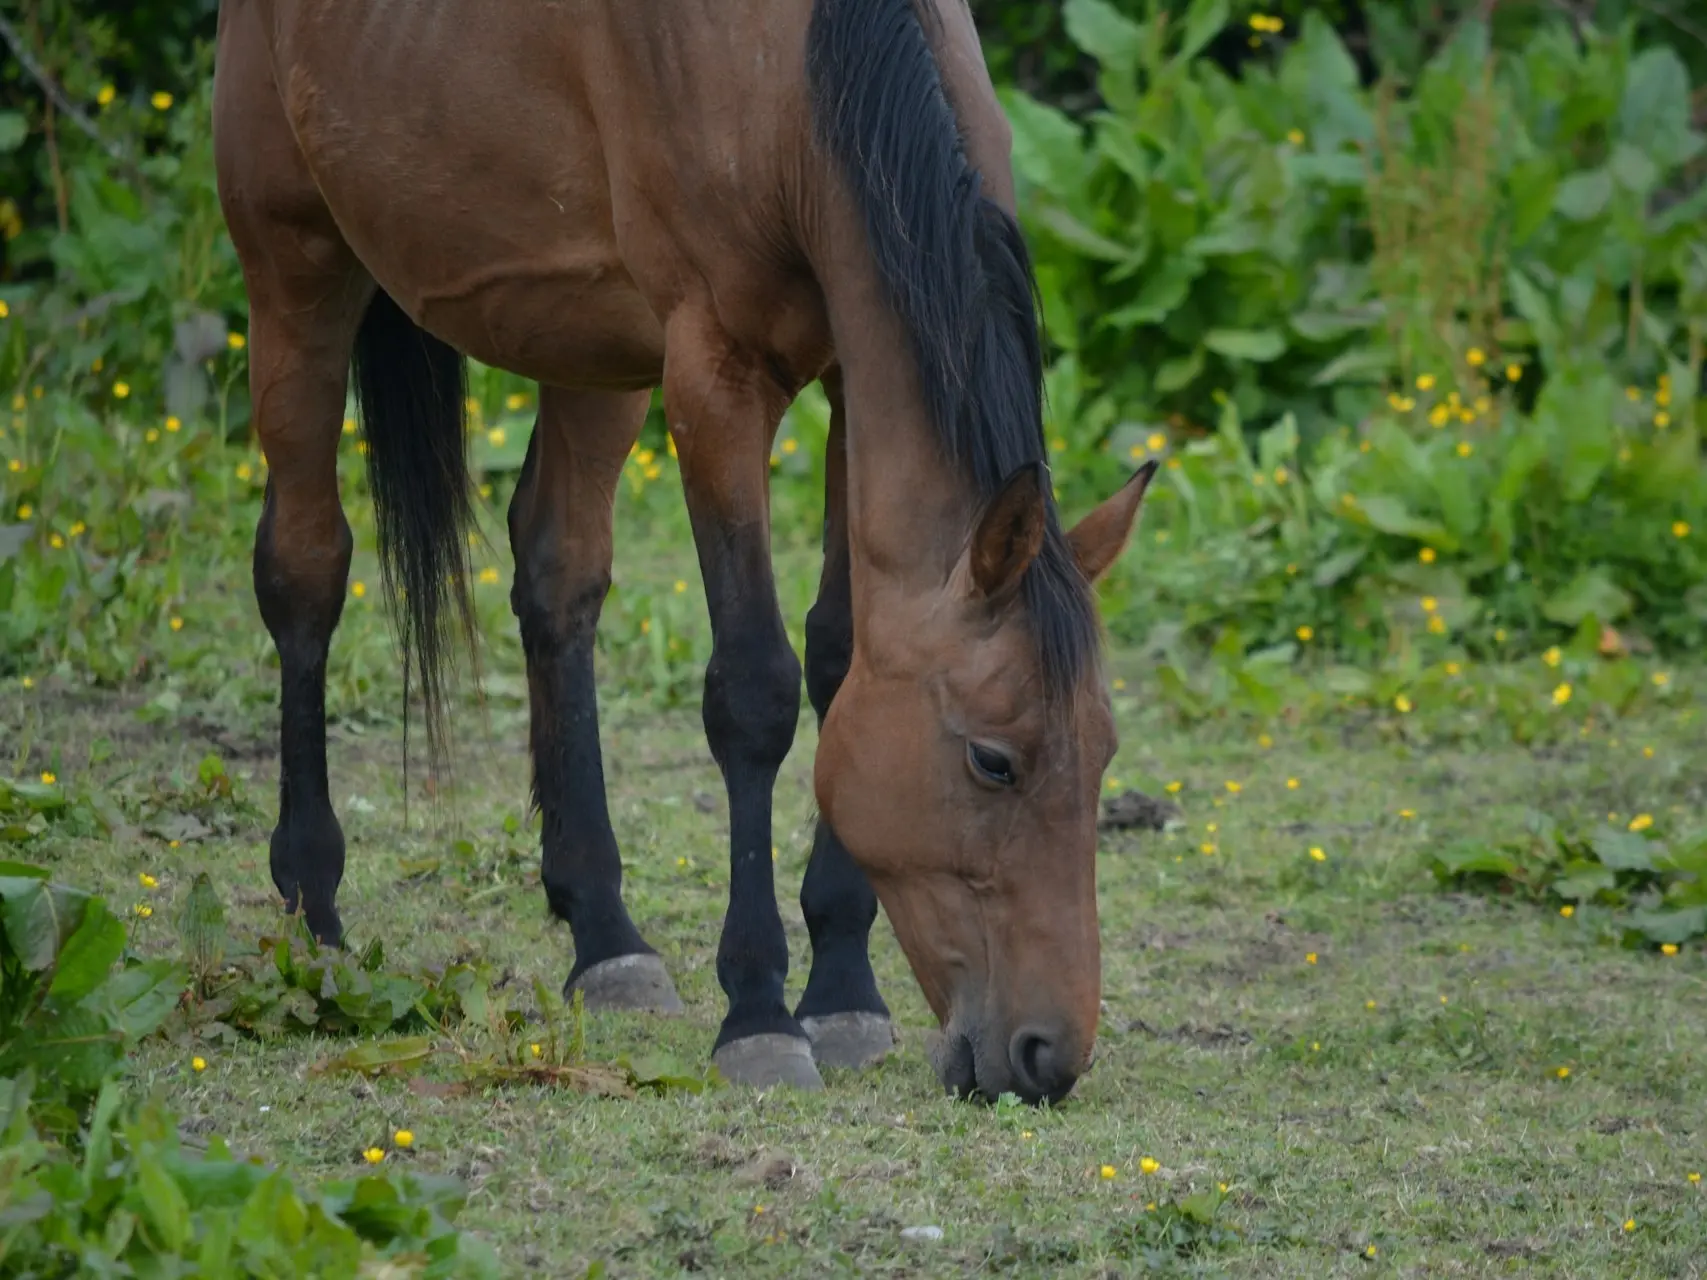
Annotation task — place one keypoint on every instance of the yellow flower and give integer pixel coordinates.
(1629, 1224)
(1157, 442)
(1443, 1000)
(48, 777)
(1264, 741)
(1425, 382)
(1552, 656)
(1234, 787)
(653, 472)
(1453, 668)
(1668, 948)
(172, 425)
(143, 910)
(358, 589)
(1207, 848)
(373, 1155)
(12, 464)
(1281, 475)
(644, 457)
(1348, 501)
(1295, 137)
(1513, 372)
(1173, 788)
(1306, 634)
(403, 1138)
(28, 682)
(646, 626)
(1370, 1005)
(105, 97)
(495, 437)
(177, 624)
(1148, 1165)
(1407, 814)
(198, 1064)
(1647, 753)
(1429, 604)
(161, 101)
(1661, 679)
(1662, 420)
(151, 436)
(236, 341)
(145, 880)
(1476, 357)
(1695, 1177)
(1369, 1252)
(1292, 784)
(1662, 397)
(121, 390)
(1680, 529)
(1563, 1073)
(790, 445)
(245, 472)
(1108, 1172)
(1402, 704)
(1567, 911)
(534, 1050)
(681, 586)
(349, 426)
(55, 541)
(1212, 827)
(1632, 394)
(1315, 1046)
(1317, 853)
(1465, 449)
(1119, 684)
(1426, 555)
(1310, 958)
(515, 401)
(1561, 695)
(1436, 624)
(1641, 822)
(488, 575)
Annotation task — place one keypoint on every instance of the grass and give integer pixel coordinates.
(1454, 1085)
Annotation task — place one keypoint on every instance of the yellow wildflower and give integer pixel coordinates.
(1306, 634)
(515, 401)
(55, 541)
(1668, 948)
(1234, 787)
(48, 777)
(1207, 848)
(1369, 1252)
(1292, 784)
(143, 910)
(105, 97)
(1476, 357)
(1465, 449)
(358, 589)
(1108, 1172)
(173, 425)
(1561, 695)
(1148, 1165)
(488, 575)
(1157, 442)
(1370, 1005)
(1680, 529)
(176, 623)
(1552, 656)
(790, 445)
(1647, 753)
(495, 437)
(1661, 679)
(1426, 555)
(161, 101)
(236, 341)
(1425, 382)
(1567, 911)
(1429, 604)
(1662, 420)
(1695, 1177)
(403, 1138)
(245, 472)
(1407, 814)
(121, 390)
(1317, 853)
(1173, 788)
(1281, 475)
(1310, 958)
(349, 426)
(198, 1064)
(1513, 372)
(373, 1155)
(534, 1050)
(146, 881)
(1295, 137)
(1563, 1073)
(1632, 394)
(1641, 822)
(1402, 704)
(1629, 1224)
(1436, 624)
(12, 464)
(151, 436)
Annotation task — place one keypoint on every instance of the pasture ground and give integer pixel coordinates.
(1455, 1086)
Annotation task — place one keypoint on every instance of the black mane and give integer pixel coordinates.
(955, 268)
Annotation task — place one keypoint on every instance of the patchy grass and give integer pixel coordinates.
(1452, 1083)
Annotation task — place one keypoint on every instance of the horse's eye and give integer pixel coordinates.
(990, 765)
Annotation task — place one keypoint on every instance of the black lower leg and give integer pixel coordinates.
(300, 604)
(557, 604)
(752, 705)
(835, 897)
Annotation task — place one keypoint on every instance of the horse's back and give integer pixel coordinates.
(542, 184)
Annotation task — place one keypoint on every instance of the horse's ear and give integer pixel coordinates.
(1009, 534)
(1100, 537)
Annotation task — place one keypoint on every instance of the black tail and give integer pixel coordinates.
(410, 389)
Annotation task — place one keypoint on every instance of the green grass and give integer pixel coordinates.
(1401, 1093)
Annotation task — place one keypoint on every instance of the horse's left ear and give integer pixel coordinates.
(1100, 537)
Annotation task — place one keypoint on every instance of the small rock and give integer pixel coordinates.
(921, 1233)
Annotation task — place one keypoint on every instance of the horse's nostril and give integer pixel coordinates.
(1039, 1066)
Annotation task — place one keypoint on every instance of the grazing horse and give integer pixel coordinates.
(730, 200)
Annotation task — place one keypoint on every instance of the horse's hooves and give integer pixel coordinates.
(638, 983)
(850, 1039)
(769, 1060)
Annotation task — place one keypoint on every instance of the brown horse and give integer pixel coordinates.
(728, 199)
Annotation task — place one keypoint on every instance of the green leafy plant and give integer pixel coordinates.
(1629, 886)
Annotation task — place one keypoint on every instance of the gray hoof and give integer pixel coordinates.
(850, 1039)
(769, 1060)
(638, 983)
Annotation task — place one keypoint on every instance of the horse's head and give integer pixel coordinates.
(970, 799)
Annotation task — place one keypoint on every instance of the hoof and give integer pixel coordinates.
(636, 983)
(769, 1060)
(850, 1039)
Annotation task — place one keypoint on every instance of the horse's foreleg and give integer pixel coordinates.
(841, 1008)
(724, 410)
(560, 532)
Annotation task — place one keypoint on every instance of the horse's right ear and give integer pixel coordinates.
(1100, 537)
(1009, 534)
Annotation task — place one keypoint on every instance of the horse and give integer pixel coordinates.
(729, 201)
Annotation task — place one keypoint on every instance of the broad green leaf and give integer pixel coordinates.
(142, 995)
(13, 131)
(1474, 859)
(1592, 593)
(379, 1056)
(89, 953)
(38, 916)
(1390, 515)
(1179, 372)
(1622, 850)
(162, 1203)
(1260, 345)
(1678, 925)
(1203, 21)
(1102, 31)
(1655, 112)
(1584, 196)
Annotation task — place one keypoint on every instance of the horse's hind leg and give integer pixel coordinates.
(306, 298)
(560, 531)
(724, 410)
(841, 1008)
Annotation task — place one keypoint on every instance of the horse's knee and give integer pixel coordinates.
(752, 696)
